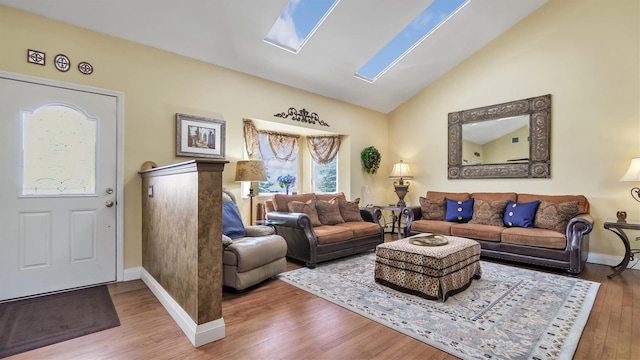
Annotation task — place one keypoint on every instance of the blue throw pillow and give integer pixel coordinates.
(520, 214)
(459, 211)
(231, 222)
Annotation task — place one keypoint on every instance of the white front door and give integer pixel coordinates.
(58, 188)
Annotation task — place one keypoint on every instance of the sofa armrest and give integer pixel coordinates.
(293, 220)
(411, 213)
(580, 225)
(371, 214)
(259, 230)
(577, 234)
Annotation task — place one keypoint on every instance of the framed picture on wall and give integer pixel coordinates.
(199, 136)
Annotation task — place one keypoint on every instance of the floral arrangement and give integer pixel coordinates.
(370, 159)
(286, 181)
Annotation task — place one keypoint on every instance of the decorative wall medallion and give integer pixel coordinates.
(62, 62)
(35, 57)
(85, 68)
(302, 115)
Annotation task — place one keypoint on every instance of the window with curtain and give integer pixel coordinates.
(277, 165)
(325, 176)
(279, 151)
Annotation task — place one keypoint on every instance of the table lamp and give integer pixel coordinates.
(401, 171)
(251, 170)
(633, 174)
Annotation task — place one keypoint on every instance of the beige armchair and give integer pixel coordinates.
(251, 254)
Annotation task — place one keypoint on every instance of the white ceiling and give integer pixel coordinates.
(230, 33)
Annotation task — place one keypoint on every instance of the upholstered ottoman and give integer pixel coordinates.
(432, 272)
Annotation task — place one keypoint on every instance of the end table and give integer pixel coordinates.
(617, 227)
(395, 219)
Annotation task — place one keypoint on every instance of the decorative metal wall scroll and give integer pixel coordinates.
(60, 61)
(302, 115)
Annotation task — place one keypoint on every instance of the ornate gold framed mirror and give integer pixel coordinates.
(509, 140)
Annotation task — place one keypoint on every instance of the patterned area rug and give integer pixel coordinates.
(510, 313)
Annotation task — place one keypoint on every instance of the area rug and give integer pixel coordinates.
(33, 323)
(510, 313)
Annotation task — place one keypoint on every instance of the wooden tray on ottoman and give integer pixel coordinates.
(432, 272)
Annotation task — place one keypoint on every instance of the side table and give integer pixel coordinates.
(618, 227)
(395, 219)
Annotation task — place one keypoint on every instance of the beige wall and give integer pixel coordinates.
(158, 84)
(585, 53)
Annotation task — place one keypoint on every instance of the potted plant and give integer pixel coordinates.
(370, 159)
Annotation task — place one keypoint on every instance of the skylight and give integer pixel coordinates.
(297, 22)
(412, 35)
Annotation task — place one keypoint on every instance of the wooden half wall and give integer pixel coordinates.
(182, 244)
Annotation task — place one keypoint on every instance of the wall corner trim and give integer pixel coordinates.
(198, 334)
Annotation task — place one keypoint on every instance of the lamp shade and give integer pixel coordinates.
(633, 174)
(250, 170)
(401, 170)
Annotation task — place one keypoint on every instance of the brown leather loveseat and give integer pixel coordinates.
(554, 230)
(321, 227)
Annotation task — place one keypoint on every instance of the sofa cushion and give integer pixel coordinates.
(361, 228)
(555, 216)
(327, 197)
(583, 203)
(432, 226)
(459, 211)
(488, 212)
(350, 210)
(231, 222)
(534, 237)
(438, 195)
(280, 201)
(477, 231)
(253, 252)
(329, 212)
(328, 234)
(494, 196)
(308, 207)
(433, 209)
(520, 214)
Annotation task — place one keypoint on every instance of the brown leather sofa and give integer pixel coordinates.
(311, 241)
(561, 247)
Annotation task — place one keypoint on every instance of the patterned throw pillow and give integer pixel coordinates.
(555, 216)
(488, 212)
(308, 208)
(350, 210)
(329, 212)
(459, 211)
(433, 209)
(520, 214)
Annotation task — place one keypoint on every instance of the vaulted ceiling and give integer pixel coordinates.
(230, 33)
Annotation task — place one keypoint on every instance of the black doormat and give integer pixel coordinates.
(33, 323)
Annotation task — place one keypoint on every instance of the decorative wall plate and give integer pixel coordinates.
(35, 57)
(62, 62)
(85, 68)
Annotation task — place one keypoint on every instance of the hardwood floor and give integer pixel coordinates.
(278, 321)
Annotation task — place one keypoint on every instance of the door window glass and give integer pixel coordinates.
(58, 152)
